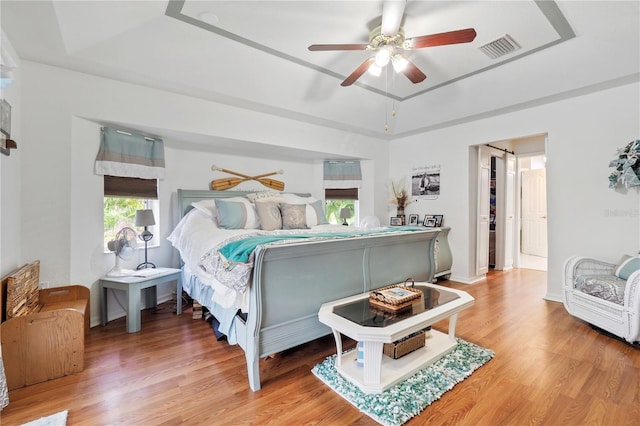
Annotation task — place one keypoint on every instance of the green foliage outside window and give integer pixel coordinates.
(118, 213)
(333, 207)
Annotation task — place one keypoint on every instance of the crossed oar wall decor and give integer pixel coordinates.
(227, 183)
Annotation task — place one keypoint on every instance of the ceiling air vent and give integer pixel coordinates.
(500, 47)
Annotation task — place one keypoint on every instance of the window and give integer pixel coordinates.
(336, 200)
(122, 197)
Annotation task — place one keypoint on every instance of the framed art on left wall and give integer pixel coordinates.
(5, 118)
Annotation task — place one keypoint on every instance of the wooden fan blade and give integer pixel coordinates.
(358, 72)
(441, 39)
(321, 47)
(413, 73)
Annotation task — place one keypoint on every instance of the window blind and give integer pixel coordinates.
(341, 194)
(127, 187)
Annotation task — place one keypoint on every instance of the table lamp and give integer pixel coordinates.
(345, 213)
(145, 218)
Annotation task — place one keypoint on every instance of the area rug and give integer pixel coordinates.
(398, 404)
(58, 419)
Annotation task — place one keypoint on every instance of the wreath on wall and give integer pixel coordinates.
(627, 166)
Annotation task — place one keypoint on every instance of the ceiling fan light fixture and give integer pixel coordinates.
(375, 70)
(399, 62)
(382, 57)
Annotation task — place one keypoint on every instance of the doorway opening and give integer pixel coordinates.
(512, 201)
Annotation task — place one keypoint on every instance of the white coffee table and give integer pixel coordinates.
(381, 372)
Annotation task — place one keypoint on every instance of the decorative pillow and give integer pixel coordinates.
(294, 216)
(207, 207)
(296, 199)
(269, 215)
(239, 214)
(627, 267)
(315, 214)
(262, 195)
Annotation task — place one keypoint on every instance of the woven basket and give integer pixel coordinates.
(405, 345)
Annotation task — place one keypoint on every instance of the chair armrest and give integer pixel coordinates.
(632, 305)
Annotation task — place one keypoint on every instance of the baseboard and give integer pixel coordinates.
(467, 280)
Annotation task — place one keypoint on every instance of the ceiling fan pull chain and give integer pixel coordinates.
(386, 100)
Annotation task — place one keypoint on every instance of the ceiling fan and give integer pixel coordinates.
(389, 43)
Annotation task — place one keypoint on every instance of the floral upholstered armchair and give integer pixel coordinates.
(605, 295)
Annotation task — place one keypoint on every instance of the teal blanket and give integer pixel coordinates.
(239, 251)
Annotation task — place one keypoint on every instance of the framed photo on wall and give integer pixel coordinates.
(413, 219)
(5, 118)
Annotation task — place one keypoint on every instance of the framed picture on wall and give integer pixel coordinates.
(5, 118)
(413, 219)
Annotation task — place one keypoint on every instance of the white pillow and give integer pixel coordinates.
(262, 195)
(296, 199)
(207, 207)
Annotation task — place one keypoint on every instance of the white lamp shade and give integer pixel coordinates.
(345, 213)
(145, 218)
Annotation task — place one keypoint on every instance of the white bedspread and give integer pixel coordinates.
(198, 239)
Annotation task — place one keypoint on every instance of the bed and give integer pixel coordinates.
(288, 280)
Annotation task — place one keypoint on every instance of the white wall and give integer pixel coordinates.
(52, 208)
(62, 197)
(10, 182)
(584, 216)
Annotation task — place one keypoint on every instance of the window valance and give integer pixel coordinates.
(342, 174)
(130, 155)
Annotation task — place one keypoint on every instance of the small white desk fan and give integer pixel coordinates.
(122, 245)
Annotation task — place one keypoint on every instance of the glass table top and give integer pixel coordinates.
(366, 314)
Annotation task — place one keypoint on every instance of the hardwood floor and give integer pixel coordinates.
(549, 369)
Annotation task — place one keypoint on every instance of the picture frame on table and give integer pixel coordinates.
(396, 221)
(439, 220)
(429, 221)
(413, 220)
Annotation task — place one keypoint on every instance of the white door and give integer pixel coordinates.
(509, 210)
(482, 237)
(534, 212)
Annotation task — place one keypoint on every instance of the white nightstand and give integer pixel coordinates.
(132, 286)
